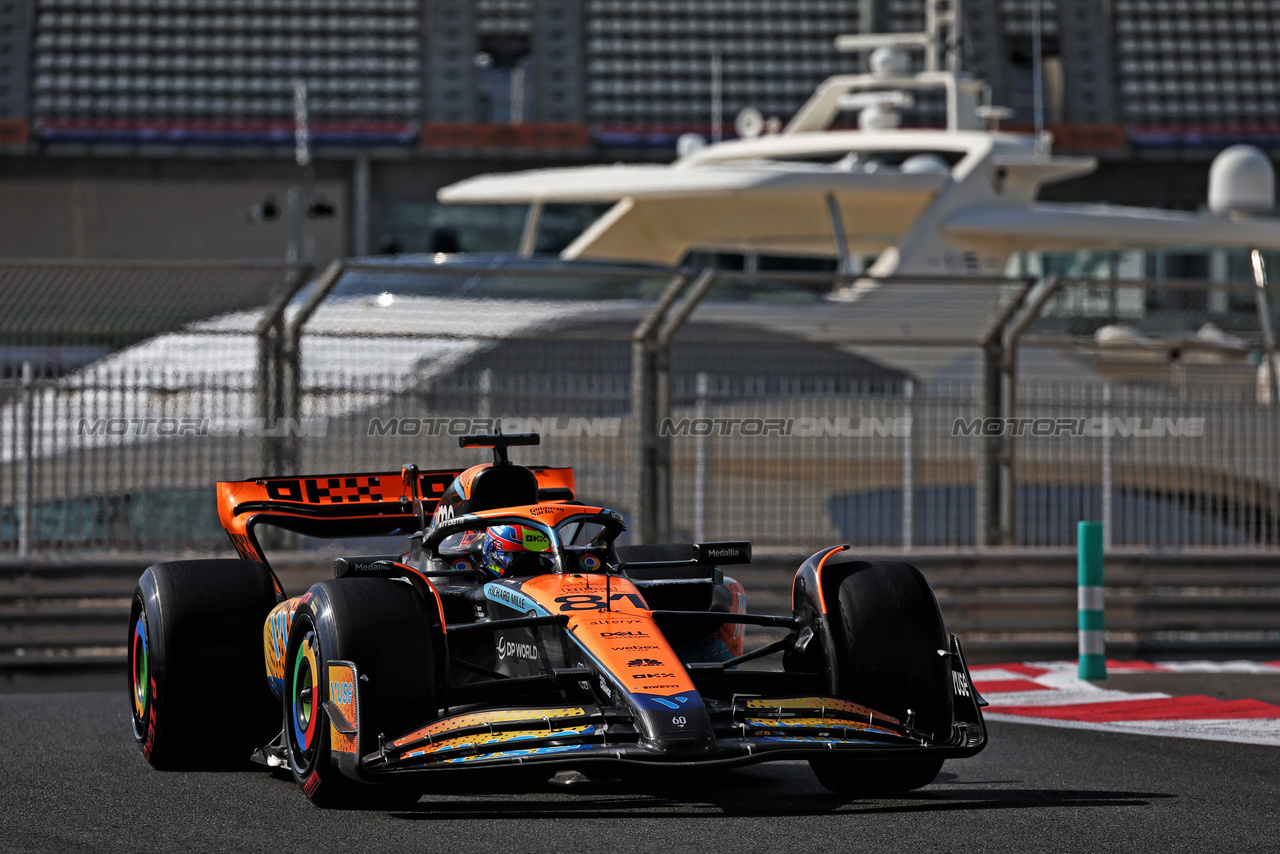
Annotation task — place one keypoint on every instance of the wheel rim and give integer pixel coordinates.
(305, 698)
(139, 668)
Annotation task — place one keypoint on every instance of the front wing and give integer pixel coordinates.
(747, 729)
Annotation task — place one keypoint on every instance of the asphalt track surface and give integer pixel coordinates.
(73, 781)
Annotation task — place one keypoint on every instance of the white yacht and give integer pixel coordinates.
(954, 201)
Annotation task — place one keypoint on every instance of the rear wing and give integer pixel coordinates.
(335, 506)
(682, 560)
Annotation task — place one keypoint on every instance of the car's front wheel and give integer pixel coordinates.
(381, 627)
(885, 636)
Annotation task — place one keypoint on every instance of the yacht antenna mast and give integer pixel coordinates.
(717, 95)
(1037, 71)
(942, 25)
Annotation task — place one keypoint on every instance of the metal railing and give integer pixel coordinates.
(126, 460)
(770, 415)
(70, 616)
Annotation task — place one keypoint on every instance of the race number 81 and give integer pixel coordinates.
(592, 602)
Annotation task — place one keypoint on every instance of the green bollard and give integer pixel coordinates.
(1093, 654)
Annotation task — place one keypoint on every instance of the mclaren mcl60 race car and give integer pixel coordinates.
(515, 636)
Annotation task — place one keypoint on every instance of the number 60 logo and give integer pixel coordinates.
(679, 720)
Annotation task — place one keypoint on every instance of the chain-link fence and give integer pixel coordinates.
(787, 411)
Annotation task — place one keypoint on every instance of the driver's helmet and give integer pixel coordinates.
(516, 550)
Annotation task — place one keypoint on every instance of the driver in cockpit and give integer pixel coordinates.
(512, 551)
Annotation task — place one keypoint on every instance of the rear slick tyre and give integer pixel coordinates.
(194, 625)
(885, 638)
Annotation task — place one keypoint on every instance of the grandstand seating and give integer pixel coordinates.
(1207, 65)
(1167, 69)
(648, 64)
(210, 61)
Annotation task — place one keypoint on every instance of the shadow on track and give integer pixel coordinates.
(746, 795)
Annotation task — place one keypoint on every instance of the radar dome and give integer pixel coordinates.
(889, 62)
(1241, 182)
(750, 123)
(925, 164)
(879, 117)
(688, 143)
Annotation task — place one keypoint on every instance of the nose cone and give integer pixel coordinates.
(684, 729)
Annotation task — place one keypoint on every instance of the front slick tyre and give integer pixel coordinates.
(885, 640)
(382, 627)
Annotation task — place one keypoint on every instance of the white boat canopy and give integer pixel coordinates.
(952, 201)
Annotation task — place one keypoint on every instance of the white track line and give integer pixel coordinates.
(1061, 688)
(1264, 732)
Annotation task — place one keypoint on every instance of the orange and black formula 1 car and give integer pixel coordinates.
(515, 635)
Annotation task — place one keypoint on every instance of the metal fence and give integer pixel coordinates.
(781, 417)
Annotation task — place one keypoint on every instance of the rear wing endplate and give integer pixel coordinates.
(337, 506)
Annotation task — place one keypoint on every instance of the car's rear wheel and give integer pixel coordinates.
(193, 626)
(382, 627)
(886, 631)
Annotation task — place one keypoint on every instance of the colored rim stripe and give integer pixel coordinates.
(300, 708)
(139, 668)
